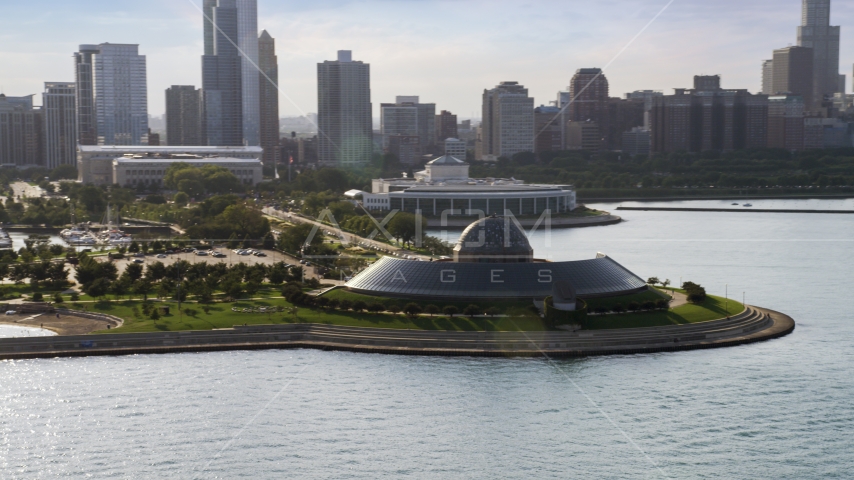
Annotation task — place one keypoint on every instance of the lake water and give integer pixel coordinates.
(776, 410)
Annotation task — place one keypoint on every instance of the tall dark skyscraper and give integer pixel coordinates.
(344, 111)
(815, 32)
(60, 124)
(269, 95)
(222, 76)
(793, 73)
(184, 116)
(21, 131)
(87, 125)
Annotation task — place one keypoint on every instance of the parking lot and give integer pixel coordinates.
(231, 258)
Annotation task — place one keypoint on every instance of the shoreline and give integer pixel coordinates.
(678, 198)
(730, 210)
(753, 325)
(576, 222)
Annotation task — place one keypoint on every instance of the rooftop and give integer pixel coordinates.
(157, 149)
(205, 161)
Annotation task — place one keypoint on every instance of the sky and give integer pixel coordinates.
(447, 52)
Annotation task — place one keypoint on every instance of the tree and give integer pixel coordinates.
(181, 199)
(403, 228)
(155, 271)
(376, 308)
(269, 241)
(618, 308)
(57, 298)
(155, 314)
(432, 310)
(393, 308)
(134, 247)
(98, 288)
(294, 239)
(144, 247)
(493, 311)
(120, 287)
(450, 310)
(472, 311)
(143, 287)
(359, 306)
(696, 293)
(653, 281)
(38, 297)
(633, 306)
(134, 271)
(412, 310)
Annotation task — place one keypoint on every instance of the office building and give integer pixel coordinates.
(624, 114)
(95, 163)
(408, 117)
(647, 96)
(588, 94)
(21, 128)
(793, 74)
(112, 95)
(87, 125)
(344, 119)
(269, 95)
(768, 77)
(816, 33)
(456, 148)
(636, 142)
(59, 107)
(508, 121)
(446, 126)
(786, 122)
(708, 118)
(247, 34)
(407, 148)
(184, 116)
(548, 129)
(222, 78)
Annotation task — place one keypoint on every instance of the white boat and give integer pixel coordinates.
(5, 240)
(747, 205)
(110, 233)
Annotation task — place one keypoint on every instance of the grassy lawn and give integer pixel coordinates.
(650, 295)
(221, 316)
(507, 307)
(711, 309)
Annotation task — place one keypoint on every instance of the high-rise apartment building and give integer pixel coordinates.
(344, 120)
(647, 96)
(624, 114)
(247, 35)
(120, 95)
(456, 148)
(588, 99)
(816, 32)
(184, 111)
(793, 73)
(548, 129)
(709, 118)
(407, 148)
(222, 76)
(407, 116)
(87, 125)
(59, 108)
(446, 126)
(269, 95)
(508, 121)
(21, 128)
(768, 77)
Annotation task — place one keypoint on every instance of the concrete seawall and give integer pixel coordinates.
(754, 325)
(734, 210)
(556, 222)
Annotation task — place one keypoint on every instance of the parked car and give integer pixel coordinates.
(260, 254)
(138, 260)
(161, 256)
(139, 255)
(201, 253)
(219, 255)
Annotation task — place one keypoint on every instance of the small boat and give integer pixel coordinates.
(735, 204)
(747, 205)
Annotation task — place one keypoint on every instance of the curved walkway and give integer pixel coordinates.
(754, 325)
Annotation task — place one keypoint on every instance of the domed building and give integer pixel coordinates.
(494, 260)
(493, 240)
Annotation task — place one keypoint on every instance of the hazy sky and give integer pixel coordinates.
(445, 51)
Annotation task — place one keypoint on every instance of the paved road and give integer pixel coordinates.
(349, 237)
(25, 190)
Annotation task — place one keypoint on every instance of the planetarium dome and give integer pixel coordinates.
(493, 240)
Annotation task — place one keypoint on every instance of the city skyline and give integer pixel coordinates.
(731, 41)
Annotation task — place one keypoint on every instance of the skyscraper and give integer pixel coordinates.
(815, 32)
(508, 121)
(269, 97)
(446, 126)
(768, 77)
(344, 120)
(60, 124)
(222, 76)
(87, 125)
(119, 94)
(247, 35)
(184, 116)
(20, 131)
(588, 94)
(793, 73)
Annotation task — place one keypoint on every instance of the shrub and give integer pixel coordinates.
(376, 308)
(322, 302)
(493, 311)
(334, 304)
(432, 310)
(472, 310)
(601, 309)
(38, 297)
(155, 314)
(618, 308)
(662, 304)
(393, 308)
(412, 309)
(75, 297)
(57, 298)
(648, 305)
(346, 305)
(696, 293)
(450, 310)
(633, 306)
